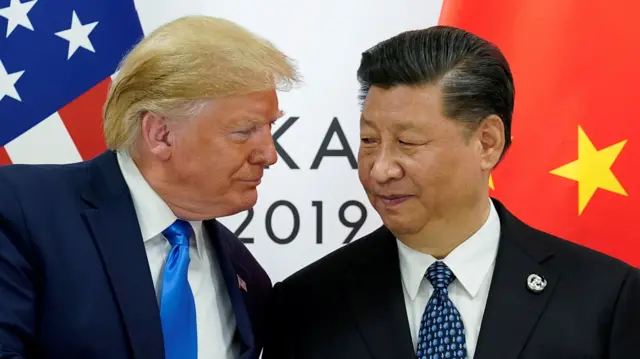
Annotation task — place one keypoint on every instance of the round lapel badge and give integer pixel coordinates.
(536, 283)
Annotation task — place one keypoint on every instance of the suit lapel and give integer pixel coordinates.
(513, 310)
(116, 232)
(232, 273)
(375, 294)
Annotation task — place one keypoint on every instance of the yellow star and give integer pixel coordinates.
(592, 169)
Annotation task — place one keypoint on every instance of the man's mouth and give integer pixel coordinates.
(393, 199)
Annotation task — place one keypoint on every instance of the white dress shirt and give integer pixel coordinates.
(215, 320)
(472, 263)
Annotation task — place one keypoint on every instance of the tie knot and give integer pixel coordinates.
(440, 275)
(178, 233)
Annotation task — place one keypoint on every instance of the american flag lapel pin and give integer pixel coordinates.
(241, 283)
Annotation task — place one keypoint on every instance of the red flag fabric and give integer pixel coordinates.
(574, 167)
(4, 157)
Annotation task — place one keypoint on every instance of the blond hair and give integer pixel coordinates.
(184, 62)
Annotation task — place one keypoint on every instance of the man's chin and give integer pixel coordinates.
(240, 202)
(248, 200)
(398, 225)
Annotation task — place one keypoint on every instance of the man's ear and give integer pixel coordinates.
(490, 136)
(156, 134)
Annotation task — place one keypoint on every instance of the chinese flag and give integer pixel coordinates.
(574, 167)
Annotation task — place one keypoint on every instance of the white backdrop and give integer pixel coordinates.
(325, 38)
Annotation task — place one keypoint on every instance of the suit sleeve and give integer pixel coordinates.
(625, 332)
(278, 335)
(17, 296)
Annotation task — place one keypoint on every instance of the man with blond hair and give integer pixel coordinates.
(121, 256)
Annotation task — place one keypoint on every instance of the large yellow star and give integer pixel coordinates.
(592, 169)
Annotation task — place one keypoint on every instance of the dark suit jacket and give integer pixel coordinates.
(350, 303)
(74, 276)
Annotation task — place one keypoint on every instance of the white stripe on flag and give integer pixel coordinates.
(48, 142)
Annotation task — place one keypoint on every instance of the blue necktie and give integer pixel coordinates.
(441, 333)
(177, 305)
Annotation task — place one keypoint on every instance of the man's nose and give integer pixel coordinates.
(265, 153)
(386, 168)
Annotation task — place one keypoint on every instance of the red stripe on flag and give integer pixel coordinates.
(4, 157)
(83, 119)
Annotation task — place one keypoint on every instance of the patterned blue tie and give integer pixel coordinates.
(177, 306)
(441, 333)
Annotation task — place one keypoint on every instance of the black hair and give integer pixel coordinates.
(472, 73)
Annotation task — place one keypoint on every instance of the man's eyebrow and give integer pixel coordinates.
(255, 120)
(397, 126)
(402, 126)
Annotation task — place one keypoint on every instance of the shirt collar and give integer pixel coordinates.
(470, 262)
(154, 215)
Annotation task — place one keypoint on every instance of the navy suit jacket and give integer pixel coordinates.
(74, 277)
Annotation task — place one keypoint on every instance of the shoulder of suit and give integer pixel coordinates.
(566, 256)
(27, 189)
(337, 262)
(41, 178)
(580, 258)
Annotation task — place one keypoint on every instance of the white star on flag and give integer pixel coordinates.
(8, 83)
(78, 35)
(16, 14)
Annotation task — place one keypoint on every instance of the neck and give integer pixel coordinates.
(441, 236)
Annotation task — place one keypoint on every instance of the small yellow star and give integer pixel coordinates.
(592, 169)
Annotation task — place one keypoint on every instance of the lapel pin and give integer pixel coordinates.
(536, 283)
(241, 283)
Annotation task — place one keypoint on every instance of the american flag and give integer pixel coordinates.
(56, 62)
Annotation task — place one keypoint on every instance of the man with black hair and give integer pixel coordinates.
(451, 273)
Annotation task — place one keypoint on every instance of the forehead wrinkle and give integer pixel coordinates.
(407, 105)
(383, 120)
